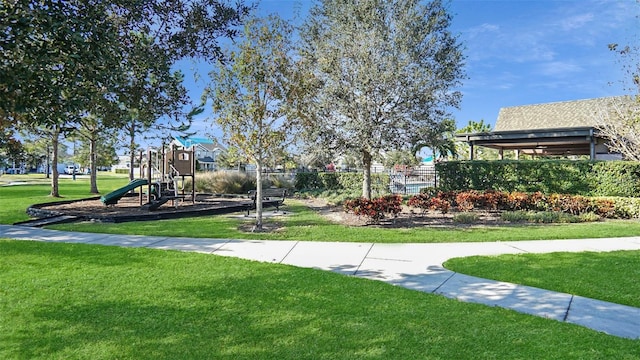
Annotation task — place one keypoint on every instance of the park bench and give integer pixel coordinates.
(270, 197)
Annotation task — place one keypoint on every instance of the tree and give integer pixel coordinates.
(385, 71)
(57, 57)
(400, 157)
(60, 58)
(619, 121)
(439, 138)
(97, 147)
(480, 153)
(151, 90)
(231, 159)
(249, 94)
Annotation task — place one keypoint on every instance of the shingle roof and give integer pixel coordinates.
(566, 114)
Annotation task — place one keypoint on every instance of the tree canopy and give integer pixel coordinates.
(63, 60)
(385, 71)
(250, 93)
(619, 122)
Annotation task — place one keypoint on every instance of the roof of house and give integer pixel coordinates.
(190, 141)
(565, 114)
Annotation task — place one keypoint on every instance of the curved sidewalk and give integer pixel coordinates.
(413, 266)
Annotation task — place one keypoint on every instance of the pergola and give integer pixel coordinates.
(560, 128)
(560, 141)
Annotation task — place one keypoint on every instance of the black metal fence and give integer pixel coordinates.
(411, 181)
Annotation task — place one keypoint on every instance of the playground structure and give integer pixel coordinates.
(164, 173)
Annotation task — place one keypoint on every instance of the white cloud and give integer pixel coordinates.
(481, 29)
(559, 68)
(576, 21)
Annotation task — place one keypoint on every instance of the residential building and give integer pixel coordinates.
(206, 151)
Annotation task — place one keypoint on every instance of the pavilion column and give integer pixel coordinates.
(501, 153)
(517, 151)
(470, 151)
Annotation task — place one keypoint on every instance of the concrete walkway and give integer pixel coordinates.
(413, 266)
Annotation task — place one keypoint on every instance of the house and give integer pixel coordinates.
(558, 128)
(206, 151)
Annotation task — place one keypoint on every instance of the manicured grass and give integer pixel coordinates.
(302, 224)
(610, 276)
(306, 224)
(15, 199)
(77, 301)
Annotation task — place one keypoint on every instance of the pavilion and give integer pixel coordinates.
(558, 128)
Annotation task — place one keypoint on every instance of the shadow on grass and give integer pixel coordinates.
(173, 305)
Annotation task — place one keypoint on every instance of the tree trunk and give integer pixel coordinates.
(48, 171)
(366, 181)
(54, 163)
(132, 149)
(258, 226)
(92, 165)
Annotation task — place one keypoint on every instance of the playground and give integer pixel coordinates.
(162, 190)
(128, 209)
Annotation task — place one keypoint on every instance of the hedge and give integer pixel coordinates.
(578, 177)
(340, 181)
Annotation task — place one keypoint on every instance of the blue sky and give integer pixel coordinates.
(522, 52)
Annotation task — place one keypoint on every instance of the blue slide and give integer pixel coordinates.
(113, 197)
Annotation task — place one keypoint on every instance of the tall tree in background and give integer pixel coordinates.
(155, 35)
(61, 57)
(57, 57)
(475, 127)
(619, 122)
(438, 138)
(386, 71)
(250, 94)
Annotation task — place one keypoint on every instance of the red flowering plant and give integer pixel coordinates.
(467, 200)
(440, 205)
(420, 201)
(375, 209)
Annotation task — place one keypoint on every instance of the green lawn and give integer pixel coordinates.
(610, 276)
(302, 224)
(76, 301)
(305, 224)
(15, 199)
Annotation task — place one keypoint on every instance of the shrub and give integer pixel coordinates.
(589, 217)
(440, 205)
(466, 218)
(340, 181)
(429, 191)
(466, 200)
(517, 201)
(514, 216)
(280, 181)
(492, 200)
(604, 207)
(226, 182)
(545, 217)
(375, 209)
(626, 208)
(582, 177)
(615, 178)
(421, 201)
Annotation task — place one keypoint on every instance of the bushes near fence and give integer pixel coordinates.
(601, 178)
(234, 182)
(340, 181)
(375, 209)
(465, 201)
(534, 207)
